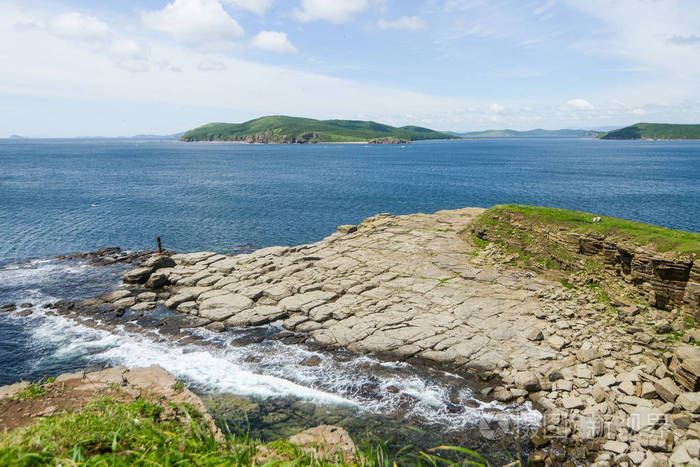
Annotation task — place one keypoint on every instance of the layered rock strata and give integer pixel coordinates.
(666, 282)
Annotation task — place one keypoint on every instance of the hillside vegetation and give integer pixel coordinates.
(659, 238)
(281, 129)
(654, 131)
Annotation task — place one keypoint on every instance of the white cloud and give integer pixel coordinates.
(211, 65)
(274, 41)
(334, 11)
(256, 6)
(412, 23)
(577, 104)
(496, 108)
(77, 26)
(194, 21)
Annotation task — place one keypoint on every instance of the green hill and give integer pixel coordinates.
(281, 129)
(654, 131)
(529, 133)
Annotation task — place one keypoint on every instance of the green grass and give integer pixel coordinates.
(178, 386)
(145, 433)
(567, 284)
(654, 131)
(294, 129)
(659, 238)
(32, 391)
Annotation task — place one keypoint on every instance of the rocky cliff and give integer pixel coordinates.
(665, 280)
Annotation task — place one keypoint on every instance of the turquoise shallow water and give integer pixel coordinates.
(58, 196)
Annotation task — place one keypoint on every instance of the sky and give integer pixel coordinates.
(119, 68)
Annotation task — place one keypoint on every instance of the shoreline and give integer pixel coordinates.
(412, 288)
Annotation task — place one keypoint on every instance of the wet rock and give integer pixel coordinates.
(144, 306)
(26, 305)
(125, 302)
(146, 297)
(6, 308)
(246, 340)
(311, 361)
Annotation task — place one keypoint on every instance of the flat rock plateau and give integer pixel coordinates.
(615, 387)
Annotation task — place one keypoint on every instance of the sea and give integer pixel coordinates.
(77, 195)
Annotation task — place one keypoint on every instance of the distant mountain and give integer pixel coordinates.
(654, 131)
(16, 137)
(173, 136)
(282, 129)
(529, 133)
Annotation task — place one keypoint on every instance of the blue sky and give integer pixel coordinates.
(81, 68)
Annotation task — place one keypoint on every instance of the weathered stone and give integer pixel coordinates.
(607, 380)
(615, 446)
(326, 442)
(116, 295)
(535, 335)
(137, 276)
(586, 355)
(157, 280)
(158, 262)
(571, 402)
(223, 306)
(528, 381)
(598, 393)
(690, 401)
(667, 389)
(556, 342)
(643, 418)
(125, 302)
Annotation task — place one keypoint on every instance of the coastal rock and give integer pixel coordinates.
(528, 381)
(157, 280)
(158, 262)
(690, 401)
(223, 306)
(326, 442)
(137, 276)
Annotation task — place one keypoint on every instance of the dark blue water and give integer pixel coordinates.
(71, 195)
(63, 196)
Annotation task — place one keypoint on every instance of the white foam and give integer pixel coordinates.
(273, 369)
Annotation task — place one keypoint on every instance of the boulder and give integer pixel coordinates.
(556, 342)
(642, 418)
(157, 280)
(690, 401)
(326, 442)
(137, 276)
(535, 335)
(158, 262)
(116, 295)
(667, 389)
(528, 381)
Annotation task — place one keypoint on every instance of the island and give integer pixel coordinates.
(293, 130)
(666, 131)
(537, 132)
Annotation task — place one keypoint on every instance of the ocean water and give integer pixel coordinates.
(58, 196)
(61, 196)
